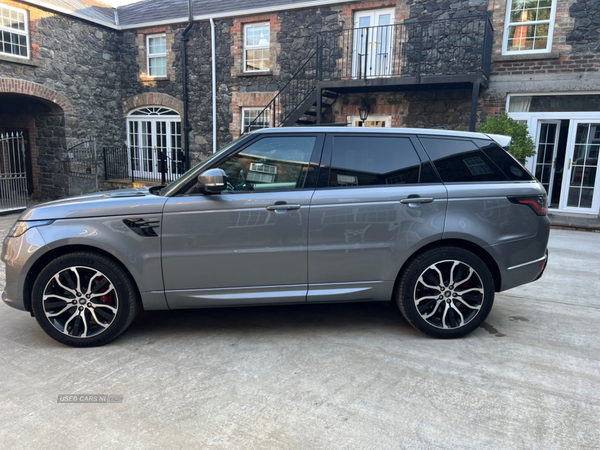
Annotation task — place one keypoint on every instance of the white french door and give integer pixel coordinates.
(372, 44)
(581, 176)
(154, 139)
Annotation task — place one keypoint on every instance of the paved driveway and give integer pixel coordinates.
(330, 376)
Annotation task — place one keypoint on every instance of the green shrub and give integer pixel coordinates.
(522, 145)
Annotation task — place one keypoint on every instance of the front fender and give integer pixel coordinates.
(140, 255)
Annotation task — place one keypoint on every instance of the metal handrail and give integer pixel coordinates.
(272, 105)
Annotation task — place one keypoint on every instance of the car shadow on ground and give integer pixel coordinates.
(288, 319)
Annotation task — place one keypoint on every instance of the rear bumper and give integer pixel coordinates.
(543, 268)
(524, 273)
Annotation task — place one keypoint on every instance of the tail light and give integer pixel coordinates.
(538, 203)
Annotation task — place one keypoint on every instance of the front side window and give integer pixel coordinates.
(529, 25)
(252, 119)
(14, 32)
(373, 161)
(270, 163)
(257, 40)
(157, 56)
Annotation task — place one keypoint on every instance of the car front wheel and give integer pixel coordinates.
(84, 299)
(446, 292)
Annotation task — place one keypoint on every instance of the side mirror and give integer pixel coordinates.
(213, 181)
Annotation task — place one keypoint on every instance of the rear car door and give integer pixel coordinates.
(247, 245)
(378, 199)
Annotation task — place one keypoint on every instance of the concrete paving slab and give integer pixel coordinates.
(326, 376)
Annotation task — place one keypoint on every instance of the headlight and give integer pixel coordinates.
(22, 226)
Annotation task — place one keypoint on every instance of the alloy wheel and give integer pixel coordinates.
(448, 294)
(80, 302)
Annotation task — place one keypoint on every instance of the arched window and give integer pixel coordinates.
(154, 141)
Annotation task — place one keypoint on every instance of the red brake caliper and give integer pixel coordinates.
(108, 298)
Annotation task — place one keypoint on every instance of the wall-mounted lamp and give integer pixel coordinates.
(364, 111)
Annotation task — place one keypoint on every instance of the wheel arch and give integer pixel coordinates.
(479, 251)
(52, 254)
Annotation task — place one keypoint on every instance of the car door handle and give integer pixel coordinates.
(416, 200)
(282, 207)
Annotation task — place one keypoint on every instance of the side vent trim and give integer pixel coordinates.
(143, 227)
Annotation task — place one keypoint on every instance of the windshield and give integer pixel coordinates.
(194, 171)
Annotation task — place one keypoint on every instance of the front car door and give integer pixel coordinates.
(378, 200)
(247, 245)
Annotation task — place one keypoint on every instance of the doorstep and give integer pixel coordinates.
(127, 183)
(580, 221)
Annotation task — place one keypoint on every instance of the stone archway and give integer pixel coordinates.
(152, 99)
(40, 114)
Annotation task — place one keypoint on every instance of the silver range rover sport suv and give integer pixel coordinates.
(436, 221)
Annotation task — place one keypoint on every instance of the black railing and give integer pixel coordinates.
(413, 49)
(448, 47)
(293, 94)
(142, 164)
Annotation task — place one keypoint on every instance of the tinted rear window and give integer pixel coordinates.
(460, 160)
(504, 160)
(372, 161)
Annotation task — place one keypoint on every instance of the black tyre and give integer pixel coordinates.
(446, 292)
(84, 299)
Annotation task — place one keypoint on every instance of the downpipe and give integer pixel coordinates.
(214, 83)
(186, 122)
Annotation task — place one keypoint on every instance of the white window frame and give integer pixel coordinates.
(155, 55)
(19, 32)
(256, 47)
(258, 109)
(507, 24)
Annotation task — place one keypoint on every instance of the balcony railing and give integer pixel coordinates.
(446, 47)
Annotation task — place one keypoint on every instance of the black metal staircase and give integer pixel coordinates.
(427, 54)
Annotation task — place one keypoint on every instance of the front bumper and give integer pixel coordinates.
(19, 255)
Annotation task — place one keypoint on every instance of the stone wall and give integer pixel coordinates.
(450, 109)
(584, 37)
(80, 63)
(446, 9)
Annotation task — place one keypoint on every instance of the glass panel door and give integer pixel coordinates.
(146, 148)
(175, 161)
(545, 164)
(581, 174)
(381, 57)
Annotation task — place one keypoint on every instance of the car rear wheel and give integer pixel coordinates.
(84, 299)
(446, 292)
